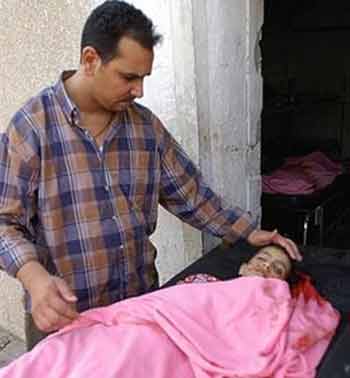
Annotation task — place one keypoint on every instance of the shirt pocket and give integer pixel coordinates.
(137, 182)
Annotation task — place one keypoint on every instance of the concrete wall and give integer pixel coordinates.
(206, 87)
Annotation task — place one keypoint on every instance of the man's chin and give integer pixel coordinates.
(122, 105)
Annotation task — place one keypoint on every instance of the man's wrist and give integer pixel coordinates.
(32, 274)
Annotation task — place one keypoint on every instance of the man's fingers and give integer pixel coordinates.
(65, 291)
(41, 322)
(62, 308)
(53, 312)
(260, 238)
(293, 250)
(49, 321)
(53, 304)
(63, 301)
(289, 246)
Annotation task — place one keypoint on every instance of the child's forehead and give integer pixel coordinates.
(272, 251)
(275, 253)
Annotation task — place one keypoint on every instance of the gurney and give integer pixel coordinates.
(180, 322)
(330, 270)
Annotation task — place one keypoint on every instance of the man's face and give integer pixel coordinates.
(269, 262)
(118, 82)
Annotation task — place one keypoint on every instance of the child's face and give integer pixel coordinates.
(269, 262)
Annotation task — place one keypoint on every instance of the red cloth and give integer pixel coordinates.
(302, 175)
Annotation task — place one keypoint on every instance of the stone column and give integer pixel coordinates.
(229, 97)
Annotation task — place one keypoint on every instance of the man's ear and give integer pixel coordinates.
(90, 60)
(243, 270)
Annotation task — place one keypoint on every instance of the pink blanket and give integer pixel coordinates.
(247, 327)
(302, 175)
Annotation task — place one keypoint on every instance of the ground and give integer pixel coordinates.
(10, 347)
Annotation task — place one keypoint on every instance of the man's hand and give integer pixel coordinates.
(53, 305)
(53, 302)
(260, 238)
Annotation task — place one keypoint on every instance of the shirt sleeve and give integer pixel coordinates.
(185, 194)
(18, 183)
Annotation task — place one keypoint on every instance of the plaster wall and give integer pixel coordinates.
(38, 39)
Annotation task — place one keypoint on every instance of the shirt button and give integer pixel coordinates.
(121, 247)
(88, 134)
(107, 188)
(114, 218)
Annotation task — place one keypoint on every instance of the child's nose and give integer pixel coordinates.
(267, 265)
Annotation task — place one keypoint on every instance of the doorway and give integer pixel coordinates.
(306, 109)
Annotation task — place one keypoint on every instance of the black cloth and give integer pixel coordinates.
(330, 271)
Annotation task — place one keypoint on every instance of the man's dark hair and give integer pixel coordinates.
(111, 21)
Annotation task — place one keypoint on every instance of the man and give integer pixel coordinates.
(83, 169)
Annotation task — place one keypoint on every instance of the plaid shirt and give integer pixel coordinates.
(86, 213)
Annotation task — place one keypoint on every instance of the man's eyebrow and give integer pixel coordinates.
(135, 75)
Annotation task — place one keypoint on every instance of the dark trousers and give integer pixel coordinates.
(33, 334)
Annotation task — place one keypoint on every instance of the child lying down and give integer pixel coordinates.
(252, 326)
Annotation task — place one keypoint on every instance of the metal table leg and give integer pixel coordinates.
(319, 222)
(306, 228)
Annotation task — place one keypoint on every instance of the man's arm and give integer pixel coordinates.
(185, 194)
(19, 171)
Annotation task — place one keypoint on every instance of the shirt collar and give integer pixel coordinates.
(69, 108)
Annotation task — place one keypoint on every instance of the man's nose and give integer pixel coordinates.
(137, 89)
